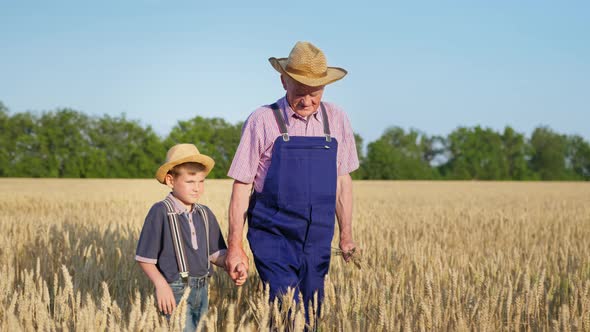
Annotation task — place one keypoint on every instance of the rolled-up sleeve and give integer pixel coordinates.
(150, 239)
(348, 160)
(247, 157)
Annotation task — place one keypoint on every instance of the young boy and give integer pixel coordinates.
(180, 238)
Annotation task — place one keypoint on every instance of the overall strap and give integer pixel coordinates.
(205, 218)
(176, 238)
(326, 123)
(280, 121)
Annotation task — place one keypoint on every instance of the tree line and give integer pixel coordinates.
(66, 143)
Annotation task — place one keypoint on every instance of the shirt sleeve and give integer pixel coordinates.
(247, 157)
(150, 239)
(216, 241)
(348, 160)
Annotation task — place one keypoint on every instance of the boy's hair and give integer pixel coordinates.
(190, 167)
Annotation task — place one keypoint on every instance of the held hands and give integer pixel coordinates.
(236, 265)
(165, 298)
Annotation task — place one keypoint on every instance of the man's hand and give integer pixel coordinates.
(165, 298)
(348, 247)
(236, 265)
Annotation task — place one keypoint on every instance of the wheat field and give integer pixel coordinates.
(436, 256)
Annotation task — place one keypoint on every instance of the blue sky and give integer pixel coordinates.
(430, 65)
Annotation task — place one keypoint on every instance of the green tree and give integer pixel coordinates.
(213, 136)
(549, 154)
(516, 152)
(578, 156)
(63, 143)
(476, 153)
(122, 148)
(22, 145)
(432, 148)
(4, 144)
(398, 155)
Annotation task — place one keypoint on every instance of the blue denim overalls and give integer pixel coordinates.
(291, 222)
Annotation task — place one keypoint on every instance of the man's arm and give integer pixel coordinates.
(238, 206)
(344, 213)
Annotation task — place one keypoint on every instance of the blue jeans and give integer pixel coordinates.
(197, 302)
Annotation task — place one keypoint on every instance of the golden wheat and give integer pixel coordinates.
(436, 256)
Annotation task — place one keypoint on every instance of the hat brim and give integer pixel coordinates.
(200, 158)
(333, 73)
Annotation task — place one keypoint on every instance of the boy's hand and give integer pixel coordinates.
(165, 298)
(242, 274)
(164, 295)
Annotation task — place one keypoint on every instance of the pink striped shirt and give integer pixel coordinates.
(253, 156)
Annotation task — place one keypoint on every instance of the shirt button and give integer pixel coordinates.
(193, 233)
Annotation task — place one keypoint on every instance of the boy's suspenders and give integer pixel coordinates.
(206, 222)
(177, 238)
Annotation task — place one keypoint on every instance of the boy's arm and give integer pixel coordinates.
(218, 258)
(240, 270)
(218, 250)
(148, 246)
(217, 246)
(164, 295)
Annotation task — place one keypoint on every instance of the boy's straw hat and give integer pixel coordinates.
(180, 154)
(307, 64)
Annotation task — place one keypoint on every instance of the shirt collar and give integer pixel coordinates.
(179, 207)
(291, 114)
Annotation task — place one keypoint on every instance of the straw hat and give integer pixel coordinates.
(307, 64)
(180, 154)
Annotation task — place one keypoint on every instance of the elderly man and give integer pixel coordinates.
(297, 153)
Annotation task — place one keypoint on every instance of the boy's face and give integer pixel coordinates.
(188, 185)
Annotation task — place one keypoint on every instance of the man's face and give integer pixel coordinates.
(303, 99)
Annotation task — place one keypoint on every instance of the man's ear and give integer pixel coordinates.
(169, 180)
(283, 81)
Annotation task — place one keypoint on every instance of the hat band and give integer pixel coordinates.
(305, 73)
